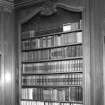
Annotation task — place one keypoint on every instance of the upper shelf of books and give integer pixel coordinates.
(70, 33)
(64, 29)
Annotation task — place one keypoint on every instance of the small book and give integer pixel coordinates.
(79, 37)
(67, 27)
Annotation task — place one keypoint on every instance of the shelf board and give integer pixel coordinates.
(73, 44)
(53, 60)
(51, 34)
(45, 86)
(80, 102)
(26, 74)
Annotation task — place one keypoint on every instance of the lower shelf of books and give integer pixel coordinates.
(64, 94)
(49, 103)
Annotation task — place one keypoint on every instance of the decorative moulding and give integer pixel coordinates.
(25, 3)
(47, 8)
(6, 6)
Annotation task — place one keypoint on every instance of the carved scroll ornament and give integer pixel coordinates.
(48, 8)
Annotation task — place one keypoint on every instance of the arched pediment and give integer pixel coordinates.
(48, 8)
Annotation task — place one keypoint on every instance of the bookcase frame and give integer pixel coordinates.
(86, 49)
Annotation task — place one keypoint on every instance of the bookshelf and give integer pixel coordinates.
(52, 65)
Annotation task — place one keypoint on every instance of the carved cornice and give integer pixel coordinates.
(28, 3)
(7, 6)
(46, 9)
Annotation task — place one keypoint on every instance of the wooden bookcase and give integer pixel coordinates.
(52, 67)
(92, 15)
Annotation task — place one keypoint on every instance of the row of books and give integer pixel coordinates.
(53, 67)
(28, 34)
(55, 53)
(52, 80)
(65, 28)
(48, 103)
(53, 94)
(52, 41)
(31, 33)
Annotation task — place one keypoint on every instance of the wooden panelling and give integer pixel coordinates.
(103, 40)
(96, 63)
(2, 60)
(7, 91)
